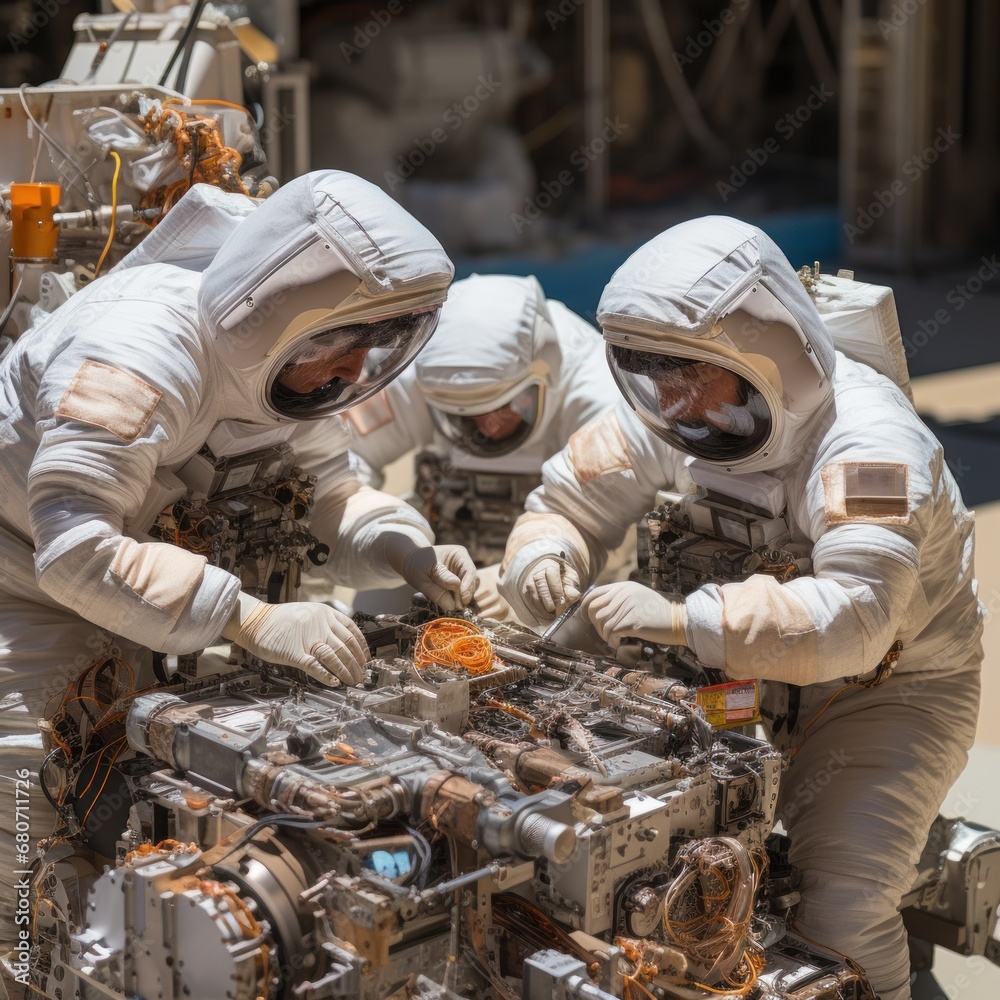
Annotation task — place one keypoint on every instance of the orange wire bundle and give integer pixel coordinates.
(454, 643)
(708, 909)
(200, 151)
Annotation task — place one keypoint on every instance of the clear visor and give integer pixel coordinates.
(334, 369)
(497, 432)
(701, 409)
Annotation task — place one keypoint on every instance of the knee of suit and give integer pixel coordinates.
(846, 900)
(857, 917)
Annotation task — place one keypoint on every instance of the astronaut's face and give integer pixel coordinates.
(700, 408)
(316, 372)
(697, 391)
(497, 432)
(337, 367)
(499, 424)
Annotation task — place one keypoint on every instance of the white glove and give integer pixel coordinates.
(551, 587)
(620, 610)
(311, 637)
(446, 574)
(488, 599)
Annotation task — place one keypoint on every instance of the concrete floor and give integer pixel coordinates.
(973, 394)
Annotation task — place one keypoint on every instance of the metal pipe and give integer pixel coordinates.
(97, 218)
(463, 880)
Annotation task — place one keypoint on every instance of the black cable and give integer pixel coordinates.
(424, 855)
(282, 819)
(193, 19)
(58, 806)
(278, 819)
(182, 71)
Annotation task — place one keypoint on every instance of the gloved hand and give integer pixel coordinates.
(488, 599)
(444, 573)
(551, 587)
(311, 637)
(620, 610)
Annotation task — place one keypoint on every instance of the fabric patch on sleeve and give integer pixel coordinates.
(162, 575)
(769, 632)
(866, 493)
(108, 397)
(599, 449)
(370, 415)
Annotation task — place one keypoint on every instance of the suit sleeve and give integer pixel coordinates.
(592, 491)
(352, 518)
(842, 620)
(105, 419)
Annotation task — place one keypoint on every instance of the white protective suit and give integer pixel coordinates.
(134, 375)
(497, 336)
(496, 332)
(872, 771)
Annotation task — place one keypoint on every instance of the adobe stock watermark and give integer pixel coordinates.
(580, 160)
(697, 44)
(424, 146)
(276, 123)
(560, 14)
(958, 297)
(901, 12)
(974, 967)
(366, 32)
(28, 27)
(21, 954)
(913, 169)
(785, 127)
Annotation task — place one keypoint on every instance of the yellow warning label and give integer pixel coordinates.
(735, 703)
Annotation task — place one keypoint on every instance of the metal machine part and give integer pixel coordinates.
(105, 162)
(552, 974)
(247, 514)
(506, 832)
(953, 902)
(467, 507)
(719, 533)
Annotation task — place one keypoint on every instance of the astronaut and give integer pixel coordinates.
(508, 377)
(314, 301)
(720, 354)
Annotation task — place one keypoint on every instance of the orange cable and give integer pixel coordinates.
(454, 643)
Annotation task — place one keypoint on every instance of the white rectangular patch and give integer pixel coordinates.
(108, 397)
(866, 492)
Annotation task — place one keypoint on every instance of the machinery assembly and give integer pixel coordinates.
(492, 813)
(648, 675)
(549, 822)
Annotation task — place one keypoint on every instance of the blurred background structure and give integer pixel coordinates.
(553, 137)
